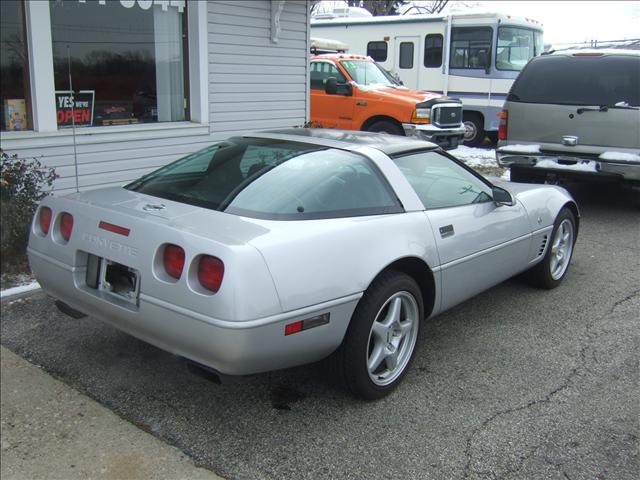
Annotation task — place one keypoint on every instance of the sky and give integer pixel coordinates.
(578, 21)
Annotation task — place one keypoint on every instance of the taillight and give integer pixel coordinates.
(173, 260)
(210, 272)
(504, 121)
(66, 225)
(44, 219)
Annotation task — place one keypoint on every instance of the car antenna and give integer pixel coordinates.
(73, 120)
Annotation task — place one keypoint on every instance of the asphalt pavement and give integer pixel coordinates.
(515, 383)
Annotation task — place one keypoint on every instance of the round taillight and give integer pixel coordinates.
(210, 272)
(173, 260)
(66, 225)
(44, 219)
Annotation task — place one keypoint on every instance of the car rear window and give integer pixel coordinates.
(274, 179)
(579, 80)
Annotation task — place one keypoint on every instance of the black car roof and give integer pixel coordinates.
(388, 144)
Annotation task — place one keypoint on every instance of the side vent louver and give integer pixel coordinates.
(543, 244)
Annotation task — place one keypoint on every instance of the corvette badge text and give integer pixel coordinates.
(110, 244)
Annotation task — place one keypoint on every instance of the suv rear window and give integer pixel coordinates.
(579, 80)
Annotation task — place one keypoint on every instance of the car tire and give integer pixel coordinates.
(550, 272)
(382, 337)
(385, 126)
(474, 129)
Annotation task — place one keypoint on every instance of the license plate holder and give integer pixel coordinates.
(113, 278)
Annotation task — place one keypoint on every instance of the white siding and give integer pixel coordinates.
(252, 84)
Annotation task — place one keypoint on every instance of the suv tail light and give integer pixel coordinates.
(44, 219)
(504, 121)
(173, 258)
(210, 272)
(66, 225)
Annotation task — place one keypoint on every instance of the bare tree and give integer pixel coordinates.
(379, 7)
(435, 6)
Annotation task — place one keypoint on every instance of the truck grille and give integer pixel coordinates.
(447, 116)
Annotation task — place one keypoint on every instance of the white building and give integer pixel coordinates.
(153, 79)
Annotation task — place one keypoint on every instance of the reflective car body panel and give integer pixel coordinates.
(279, 271)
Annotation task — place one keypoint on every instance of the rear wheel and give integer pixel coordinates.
(381, 339)
(550, 272)
(385, 126)
(473, 129)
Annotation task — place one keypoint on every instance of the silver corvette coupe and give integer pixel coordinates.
(277, 249)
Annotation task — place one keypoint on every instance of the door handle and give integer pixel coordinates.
(361, 104)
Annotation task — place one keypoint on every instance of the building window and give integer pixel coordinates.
(125, 62)
(406, 55)
(471, 47)
(433, 50)
(377, 51)
(16, 109)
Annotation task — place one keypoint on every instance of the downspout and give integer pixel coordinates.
(445, 87)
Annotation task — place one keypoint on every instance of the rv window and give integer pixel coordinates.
(515, 48)
(377, 51)
(406, 55)
(319, 73)
(433, 50)
(471, 47)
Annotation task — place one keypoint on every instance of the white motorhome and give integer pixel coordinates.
(473, 55)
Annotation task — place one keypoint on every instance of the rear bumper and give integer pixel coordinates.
(231, 348)
(447, 138)
(570, 166)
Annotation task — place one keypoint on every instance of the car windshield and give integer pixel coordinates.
(367, 73)
(516, 46)
(273, 179)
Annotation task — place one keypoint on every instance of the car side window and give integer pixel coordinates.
(440, 182)
(321, 71)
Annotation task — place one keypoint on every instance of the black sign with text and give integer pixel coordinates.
(74, 108)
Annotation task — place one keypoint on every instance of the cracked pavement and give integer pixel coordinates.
(515, 383)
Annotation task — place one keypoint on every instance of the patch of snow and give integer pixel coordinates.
(19, 289)
(475, 156)
(520, 149)
(620, 157)
(587, 166)
(506, 175)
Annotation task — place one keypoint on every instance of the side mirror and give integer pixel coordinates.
(502, 197)
(331, 87)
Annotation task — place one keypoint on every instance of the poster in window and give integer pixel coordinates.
(76, 108)
(16, 111)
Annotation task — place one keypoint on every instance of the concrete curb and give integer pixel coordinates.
(50, 431)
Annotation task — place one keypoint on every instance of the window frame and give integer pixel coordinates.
(386, 50)
(426, 39)
(41, 76)
(490, 48)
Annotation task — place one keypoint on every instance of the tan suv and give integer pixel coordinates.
(574, 115)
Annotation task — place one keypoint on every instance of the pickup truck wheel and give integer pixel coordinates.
(473, 129)
(381, 340)
(550, 272)
(385, 126)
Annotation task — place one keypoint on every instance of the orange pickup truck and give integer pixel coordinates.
(352, 92)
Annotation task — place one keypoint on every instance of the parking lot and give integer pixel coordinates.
(516, 383)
